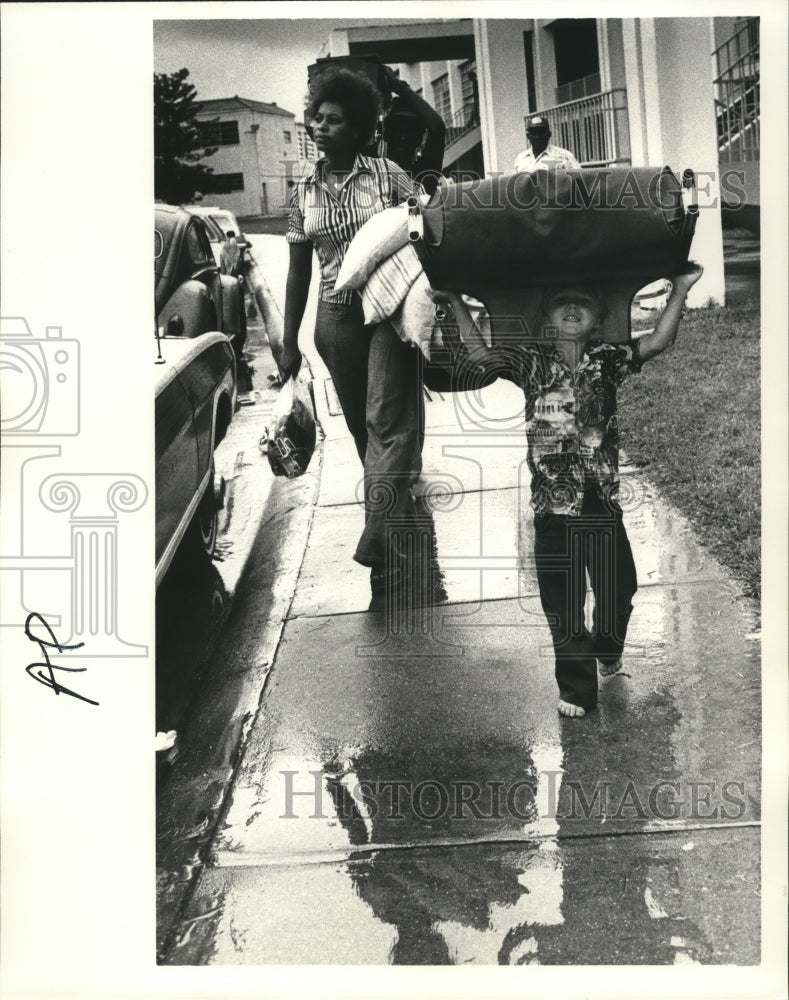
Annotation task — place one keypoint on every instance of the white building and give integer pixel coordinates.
(307, 150)
(681, 92)
(259, 149)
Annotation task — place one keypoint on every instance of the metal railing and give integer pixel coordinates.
(594, 129)
(587, 86)
(738, 122)
(734, 49)
(460, 122)
(736, 90)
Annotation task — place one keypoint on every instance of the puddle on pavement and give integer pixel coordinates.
(605, 901)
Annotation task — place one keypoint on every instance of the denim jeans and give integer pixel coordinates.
(565, 549)
(378, 380)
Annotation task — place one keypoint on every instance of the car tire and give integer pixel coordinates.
(201, 535)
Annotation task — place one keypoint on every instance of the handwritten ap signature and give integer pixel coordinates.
(43, 671)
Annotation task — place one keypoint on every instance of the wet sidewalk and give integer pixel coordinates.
(406, 792)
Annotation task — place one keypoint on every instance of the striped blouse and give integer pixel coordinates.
(319, 217)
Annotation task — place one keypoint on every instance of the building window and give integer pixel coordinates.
(287, 136)
(466, 83)
(225, 183)
(219, 133)
(577, 61)
(441, 96)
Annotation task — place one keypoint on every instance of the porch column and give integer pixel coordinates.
(672, 122)
(503, 99)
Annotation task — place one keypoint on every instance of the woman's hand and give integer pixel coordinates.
(288, 359)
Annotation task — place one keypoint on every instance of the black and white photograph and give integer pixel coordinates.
(432, 610)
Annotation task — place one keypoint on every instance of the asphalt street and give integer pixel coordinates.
(395, 786)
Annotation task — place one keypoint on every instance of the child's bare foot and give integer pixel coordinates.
(609, 669)
(570, 710)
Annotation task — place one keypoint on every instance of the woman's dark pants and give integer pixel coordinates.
(378, 380)
(565, 549)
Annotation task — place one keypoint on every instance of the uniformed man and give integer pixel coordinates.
(541, 154)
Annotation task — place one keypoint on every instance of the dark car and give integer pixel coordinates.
(195, 403)
(191, 295)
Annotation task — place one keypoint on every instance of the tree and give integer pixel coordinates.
(178, 147)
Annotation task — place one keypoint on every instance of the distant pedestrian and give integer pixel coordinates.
(474, 118)
(415, 134)
(570, 382)
(231, 255)
(540, 153)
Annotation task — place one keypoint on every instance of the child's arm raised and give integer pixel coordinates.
(654, 343)
(478, 351)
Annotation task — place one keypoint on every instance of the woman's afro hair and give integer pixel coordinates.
(357, 96)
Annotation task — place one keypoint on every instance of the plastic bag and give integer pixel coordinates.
(290, 441)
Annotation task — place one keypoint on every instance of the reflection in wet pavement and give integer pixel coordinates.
(606, 901)
(437, 810)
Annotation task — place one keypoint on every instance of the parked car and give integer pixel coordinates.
(219, 222)
(196, 398)
(215, 233)
(225, 220)
(191, 296)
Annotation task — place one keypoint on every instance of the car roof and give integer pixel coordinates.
(215, 231)
(168, 219)
(214, 210)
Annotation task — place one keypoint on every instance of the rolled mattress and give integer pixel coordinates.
(504, 239)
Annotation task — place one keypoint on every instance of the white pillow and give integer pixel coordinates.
(378, 239)
(386, 288)
(415, 319)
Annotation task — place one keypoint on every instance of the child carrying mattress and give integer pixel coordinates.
(570, 380)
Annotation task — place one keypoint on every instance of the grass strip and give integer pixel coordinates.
(691, 421)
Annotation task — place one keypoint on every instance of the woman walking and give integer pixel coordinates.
(377, 377)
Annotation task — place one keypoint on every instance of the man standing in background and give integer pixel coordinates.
(540, 154)
(415, 134)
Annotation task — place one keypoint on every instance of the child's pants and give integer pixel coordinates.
(565, 547)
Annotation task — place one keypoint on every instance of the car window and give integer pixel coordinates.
(215, 232)
(224, 224)
(197, 249)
